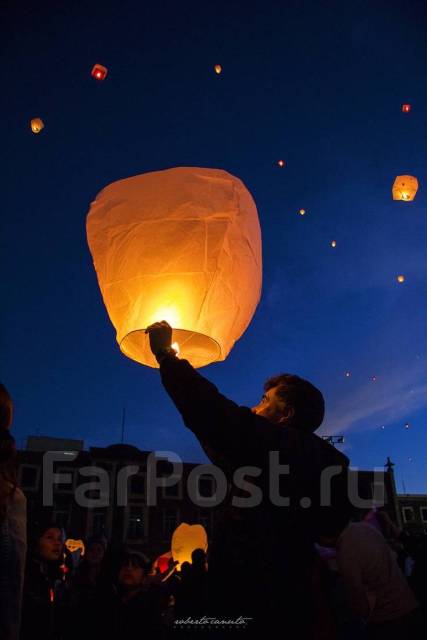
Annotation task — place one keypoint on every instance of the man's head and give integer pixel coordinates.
(289, 400)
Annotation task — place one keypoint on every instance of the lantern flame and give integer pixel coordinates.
(168, 313)
(175, 346)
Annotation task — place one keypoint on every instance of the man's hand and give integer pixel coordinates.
(160, 336)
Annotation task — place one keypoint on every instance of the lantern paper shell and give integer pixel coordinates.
(37, 125)
(162, 562)
(181, 245)
(218, 68)
(99, 72)
(405, 188)
(406, 108)
(185, 539)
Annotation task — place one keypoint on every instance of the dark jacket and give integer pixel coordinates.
(43, 606)
(261, 556)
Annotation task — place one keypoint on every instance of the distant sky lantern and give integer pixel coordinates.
(406, 108)
(181, 245)
(218, 68)
(374, 378)
(185, 539)
(281, 163)
(333, 244)
(37, 125)
(348, 374)
(99, 72)
(401, 279)
(407, 425)
(405, 188)
(302, 212)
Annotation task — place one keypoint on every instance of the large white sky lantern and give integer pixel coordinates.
(181, 245)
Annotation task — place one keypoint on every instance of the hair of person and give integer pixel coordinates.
(305, 399)
(6, 405)
(8, 470)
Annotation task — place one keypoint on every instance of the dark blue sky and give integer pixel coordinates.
(317, 84)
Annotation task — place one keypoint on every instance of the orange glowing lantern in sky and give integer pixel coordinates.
(37, 125)
(302, 212)
(401, 279)
(333, 244)
(406, 108)
(185, 539)
(218, 68)
(181, 245)
(99, 72)
(281, 163)
(405, 188)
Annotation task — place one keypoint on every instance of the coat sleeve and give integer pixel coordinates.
(217, 421)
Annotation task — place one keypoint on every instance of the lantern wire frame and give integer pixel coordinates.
(200, 349)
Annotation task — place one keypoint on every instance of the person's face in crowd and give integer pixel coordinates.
(51, 545)
(131, 574)
(95, 553)
(273, 408)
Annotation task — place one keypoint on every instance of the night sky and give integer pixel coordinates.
(317, 84)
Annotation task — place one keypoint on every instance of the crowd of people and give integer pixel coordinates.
(362, 579)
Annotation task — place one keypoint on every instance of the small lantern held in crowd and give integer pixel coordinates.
(185, 539)
(181, 245)
(405, 188)
(37, 125)
(74, 545)
(406, 108)
(99, 72)
(218, 68)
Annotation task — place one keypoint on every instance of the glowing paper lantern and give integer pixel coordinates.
(405, 188)
(348, 374)
(218, 68)
(99, 72)
(73, 545)
(162, 562)
(181, 245)
(281, 163)
(185, 539)
(302, 212)
(37, 125)
(406, 108)
(333, 244)
(401, 279)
